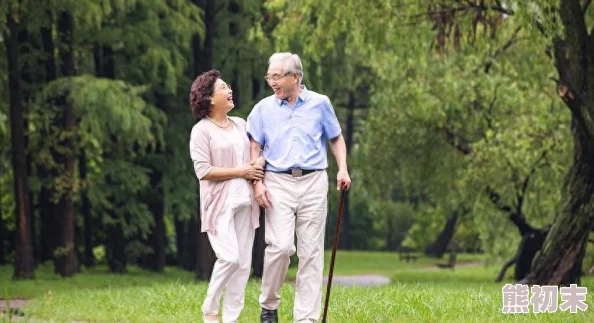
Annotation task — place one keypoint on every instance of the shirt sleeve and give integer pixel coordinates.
(255, 126)
(200, 152)
(330, 123)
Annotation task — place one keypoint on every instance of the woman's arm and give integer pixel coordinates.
(247, 171)
(200, 154)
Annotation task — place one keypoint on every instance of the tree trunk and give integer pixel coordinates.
(181, 242)
(116, 242)
(258, 250)
(236, 88)
(3, 235)
(3, 231)
(206, 256)
(345, 242)
(157, 237)
(47, 209)
(203, 53)
(24, 52)
(193, 250)
(24, 263)
(66, 262)
(203, 56)
(439, 246)
(116, 248)
(88, 257)
(506, 266)
(559, 261)
(48, 216)
(187, 244)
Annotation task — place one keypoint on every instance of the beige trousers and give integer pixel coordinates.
(232, 244)
(297, 205)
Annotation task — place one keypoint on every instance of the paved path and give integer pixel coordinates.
(359, 280)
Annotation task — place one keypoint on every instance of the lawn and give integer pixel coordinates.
(419, 292)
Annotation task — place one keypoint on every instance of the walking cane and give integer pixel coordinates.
(334, 246)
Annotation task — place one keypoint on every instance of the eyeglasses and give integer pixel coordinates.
(224, 87)
(275, 77)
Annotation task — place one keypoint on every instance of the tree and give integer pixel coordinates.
(447, 102)
(203, 61)
(560, 259)
(65, 250)
(24, 262)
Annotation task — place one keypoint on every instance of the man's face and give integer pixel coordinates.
(282, 84)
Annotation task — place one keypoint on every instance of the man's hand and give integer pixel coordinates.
(343, 179)
(260, 161)
(261, 195)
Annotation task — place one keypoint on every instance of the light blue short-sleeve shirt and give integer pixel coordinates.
(294, 137)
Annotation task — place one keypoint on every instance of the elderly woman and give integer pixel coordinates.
(220, 151)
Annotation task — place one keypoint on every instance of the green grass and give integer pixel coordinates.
(419, 292)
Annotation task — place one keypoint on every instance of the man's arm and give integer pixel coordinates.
(256, 153)
(260, 191)
(338, 147)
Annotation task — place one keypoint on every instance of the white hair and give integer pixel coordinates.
(291, 63)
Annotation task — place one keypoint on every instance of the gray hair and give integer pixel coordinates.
(291, 63)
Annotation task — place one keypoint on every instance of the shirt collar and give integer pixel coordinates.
(301, 98)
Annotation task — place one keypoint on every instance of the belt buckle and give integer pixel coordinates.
(296, 172)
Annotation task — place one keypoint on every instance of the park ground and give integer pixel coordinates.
(418, 291)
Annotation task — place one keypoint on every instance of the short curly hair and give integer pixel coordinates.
(201, 91)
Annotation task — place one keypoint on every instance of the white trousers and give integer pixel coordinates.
(232, 244)
(297, 205)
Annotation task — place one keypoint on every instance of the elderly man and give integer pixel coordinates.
(290, 129)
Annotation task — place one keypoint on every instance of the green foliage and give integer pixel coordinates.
(107, 108)
(443, 109)
(393, 220)
(115, 196)
(448, 116)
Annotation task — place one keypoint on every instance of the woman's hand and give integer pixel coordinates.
(251, 171)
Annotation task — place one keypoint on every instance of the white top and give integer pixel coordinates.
(240, 193)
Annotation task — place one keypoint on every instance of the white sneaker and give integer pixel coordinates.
(207, 320)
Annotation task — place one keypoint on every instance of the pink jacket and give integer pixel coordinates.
(207, 151)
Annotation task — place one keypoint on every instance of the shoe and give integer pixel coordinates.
(207, 320)
(269, 316)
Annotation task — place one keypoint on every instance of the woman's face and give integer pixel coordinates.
(222, 96)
